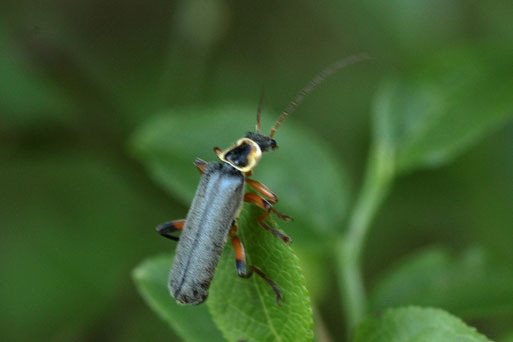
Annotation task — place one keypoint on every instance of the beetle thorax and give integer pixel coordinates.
(244, 155)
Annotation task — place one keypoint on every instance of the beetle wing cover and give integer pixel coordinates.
(215, 205)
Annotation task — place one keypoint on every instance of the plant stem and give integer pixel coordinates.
(378, 178)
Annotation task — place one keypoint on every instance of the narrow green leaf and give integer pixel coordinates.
(434, 113)
(415, 324)
(169, 144)
(468, 285)
(245, 309)
(192, 323)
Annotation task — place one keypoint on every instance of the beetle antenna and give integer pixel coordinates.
(318, 79)
(259, 111)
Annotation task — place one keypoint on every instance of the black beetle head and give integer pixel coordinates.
(264, 142)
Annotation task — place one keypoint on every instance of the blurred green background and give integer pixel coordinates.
(77, 78)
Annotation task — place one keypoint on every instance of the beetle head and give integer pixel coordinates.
(266, 143)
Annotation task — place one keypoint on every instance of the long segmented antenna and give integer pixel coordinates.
(259, 111)
(318, 79)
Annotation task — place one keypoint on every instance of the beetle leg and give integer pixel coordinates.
(269, 281)
(240, 256)
(275, 232)
(262, 190)
(200, 165)
(240, 264)
(167, 228)
(218, 151)
(264, 204)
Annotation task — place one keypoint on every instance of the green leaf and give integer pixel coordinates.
(245, 309)
(468, 284)
(414, 324)
(434, 113)
(192, 323)
(169, 144)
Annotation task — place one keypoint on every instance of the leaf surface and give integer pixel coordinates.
(245, 309)
(468, 284)
(415, 324)
(434, 113)
(192, 323)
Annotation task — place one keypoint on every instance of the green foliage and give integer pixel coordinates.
(76, 214)
(468, 285)
(413, 324)
(168, 145)
(192, 323)
(245, 309)
(434, 113)
(424, 119)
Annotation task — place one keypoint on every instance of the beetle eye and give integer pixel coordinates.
(274, 146)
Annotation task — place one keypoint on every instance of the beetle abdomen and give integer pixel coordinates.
(215, 205)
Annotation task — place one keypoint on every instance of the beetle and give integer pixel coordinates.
(218, 201)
